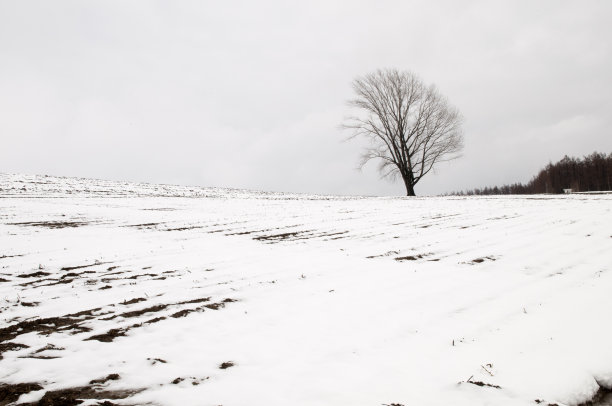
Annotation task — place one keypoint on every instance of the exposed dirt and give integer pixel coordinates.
(111, 334)
(4, 347)
(143, 226)
(480, 383)
(48, 347)
(296, 235)
(279, 237)
(227, 364)
(603, 397)
(140, 275)
(76, 396)
(48, 325)
(200, 300)
(70, 275)
(412, 257)
(111, 377)
(19, 255)
(182, 313)
(34, 274)
(43, 326)
(135, 300)
(481, 260)
(51, 224)
(184, 228)
(406, 258)
(10, 393)
(136, 313)
(72, 268)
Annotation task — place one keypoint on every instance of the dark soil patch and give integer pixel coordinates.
(407, 258)
(48, 325)
(36, 353)
(29, 304)
(110, 335)
(34, 282)
(154, 320)
(182, 313)
(10, 393)
(200, 300)
(602, 397)
(215, 306)
(247, 232)
(11, 347)
(48, 347)
(480, 383)
(413, 257)
(88, 312)
(138, 276)
(72, 268)
(227, 364)
(59, 282)
(4, 280)
(140, 312)
(135, 300)
(216, 231)
(111, 377)
(20, 255)
(105, 287)
(279, 237)
(481, 260)
(70, 275)
(42, 326)
(143, 226)
(184, 228)
(52, 224)
(34, 274)
(76, 396)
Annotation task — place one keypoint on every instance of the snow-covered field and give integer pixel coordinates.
(162, 295)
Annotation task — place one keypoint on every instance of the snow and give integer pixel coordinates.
(324, 312)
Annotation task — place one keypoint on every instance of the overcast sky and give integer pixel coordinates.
(250, 94)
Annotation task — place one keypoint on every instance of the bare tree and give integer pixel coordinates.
(410, 125)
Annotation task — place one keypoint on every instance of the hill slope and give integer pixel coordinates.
(240, 298)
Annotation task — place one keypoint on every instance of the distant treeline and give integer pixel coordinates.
(589, 174)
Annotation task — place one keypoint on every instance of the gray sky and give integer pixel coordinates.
(251, 93)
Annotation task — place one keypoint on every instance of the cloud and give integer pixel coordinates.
(250, 94)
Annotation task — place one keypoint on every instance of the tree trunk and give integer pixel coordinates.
(409, 186)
